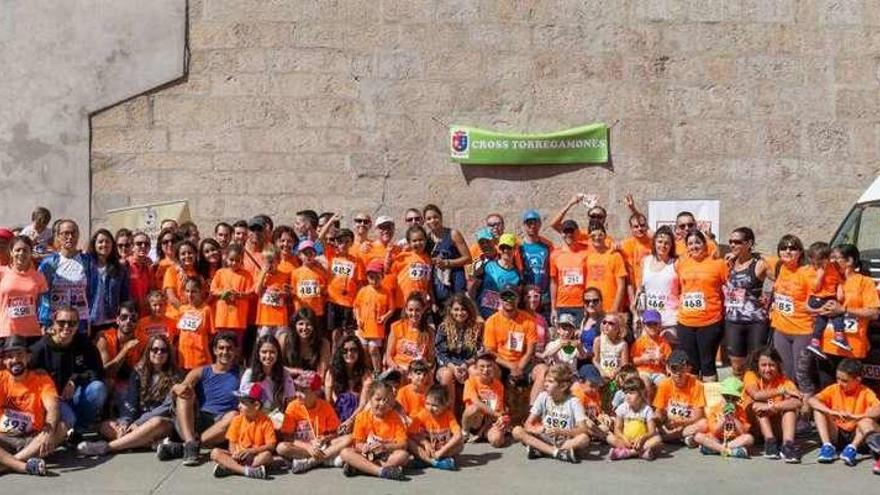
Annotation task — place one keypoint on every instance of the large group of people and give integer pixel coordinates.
(336, 343)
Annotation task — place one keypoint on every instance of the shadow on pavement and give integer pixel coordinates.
(475, 460)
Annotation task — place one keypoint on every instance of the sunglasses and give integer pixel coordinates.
(591, 301)
(494, 224)
(596, 216)
(167, 241)
(141, 243)
(362, 220)
(789, 247)
(125, 317)
(414, 219)
(686, 225)
(609, 322)
(67, 323)
(735, 242)
(350, 350)
(159, 350)
(123, 245)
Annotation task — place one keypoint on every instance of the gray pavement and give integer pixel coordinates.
(485, 469)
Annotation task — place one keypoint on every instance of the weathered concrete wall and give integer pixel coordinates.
(770, 106)
(62, 60)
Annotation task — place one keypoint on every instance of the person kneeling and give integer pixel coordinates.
(557, 425)
(251, 438)
(379, 438)
(438, 437)
(310, 428)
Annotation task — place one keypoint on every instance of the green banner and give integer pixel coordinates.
(585, 144)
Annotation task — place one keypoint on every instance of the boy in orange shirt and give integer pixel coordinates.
(826, 286)
(195, 325)
(346, 276)
(372, 308)
(310, 428)
(586, 390)
(251, 438)
(156, 322)
(650, 351)
(412, 397)
(845, 413)
(438, 437)
(485, 412)
(679, 402)
(726, 427)
(379, 440)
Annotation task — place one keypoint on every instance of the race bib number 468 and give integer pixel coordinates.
(694, 301)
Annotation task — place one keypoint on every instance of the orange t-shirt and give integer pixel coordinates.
(751, 379)
(232, 315)
(681, 403)
(174, 278)
(634, 251)
(370, 304)
(21, 402)
(411, 399)
(272, 305)
(246, 433)
(346, 275)
(830, 281)
(859, 292)
(702, 299)
(195, 328)
(389, 428)
(111, 337)
(604, 271)
(583, 237)
(412, 272)
(492, 394)
(410, 343)
(19, 296)
(309, 288)
(252, 261)
(568, 269)
(307, 424)
(439, 429)
(288, 264)
(681, 249)
(788, 314)
(715, 416)
(149, 326)
(509, 338)
(163, 265)
(378, 251)
(857, 402)
(590, 399)
(657, 348)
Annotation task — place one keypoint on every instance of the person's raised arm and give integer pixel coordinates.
(559, 217)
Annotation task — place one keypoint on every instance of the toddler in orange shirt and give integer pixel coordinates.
(251, 438)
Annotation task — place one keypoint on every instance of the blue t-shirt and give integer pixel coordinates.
(214, 391)
(536, 267)
(588, 335)
(494, 278)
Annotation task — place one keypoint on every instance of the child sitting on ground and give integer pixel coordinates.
(680, 402)
(484, 412)
(251, 438)
(412, 397)
(566, 349)
(774, 401)
(437, 437)
(635, 434)
(726, 428)
(310, 426)
(378, 444)
(557, 425)
(586, 390)
(846, 413)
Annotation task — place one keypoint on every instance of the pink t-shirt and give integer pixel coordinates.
(19, 296)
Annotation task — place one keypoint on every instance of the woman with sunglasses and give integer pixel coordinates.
(141, 271)
(449, 255)
(660, 289)
(347, 381)
(108, 284)
(590, 329)
(20, 288)
(124, 244)
(145, 407)
(702, 305)
(789, 317)
(165, 242)
(745, 315)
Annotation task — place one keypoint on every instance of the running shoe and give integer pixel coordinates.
(168, 450)
(37, 467)
(93, 448)
(848, 454)
(771, 449)
(827, 454)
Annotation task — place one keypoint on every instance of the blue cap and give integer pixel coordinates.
(484, 234)
(531, 214)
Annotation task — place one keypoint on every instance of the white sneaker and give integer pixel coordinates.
(93, 448)
(298, 466)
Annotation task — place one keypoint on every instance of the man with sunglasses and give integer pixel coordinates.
(685, 222)
(595, 213)
(77, 370)
(119, 347)
(362, 224)
(141, 271)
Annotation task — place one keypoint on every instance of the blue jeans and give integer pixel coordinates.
(82, 410)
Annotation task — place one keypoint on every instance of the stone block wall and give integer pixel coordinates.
(770, 106)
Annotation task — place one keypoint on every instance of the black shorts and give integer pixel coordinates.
(743, 338)
(339, 317)
(526, 378)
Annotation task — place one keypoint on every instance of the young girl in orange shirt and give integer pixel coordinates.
(232, 287)
(410, 337)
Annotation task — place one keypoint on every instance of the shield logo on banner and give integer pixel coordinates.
(460, 144)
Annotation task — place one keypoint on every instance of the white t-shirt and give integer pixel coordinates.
(69, 286)
(269, 389)
(661, 290)
(564, 416)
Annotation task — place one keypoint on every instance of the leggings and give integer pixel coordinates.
(790, 348)
(701, 346)
(744, 338)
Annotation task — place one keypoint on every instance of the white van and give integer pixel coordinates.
(862, 228)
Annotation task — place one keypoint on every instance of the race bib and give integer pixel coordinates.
(419, 271)
(342, 268)
(438, 438)
(556, 419)
(490, 299)
(655, 301)
(272, 298)
(694, 301)
(679, 410)
(572, 277)
(411, 349)
(189, 322)
(489, 398)
(20, 307)
(16, 422)
(307, 289)
(850, 325)
(304, 431)
(784, 304)
(71, 295)
(156, 330)
(516, 341)
(736, 298)
(609, 362)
